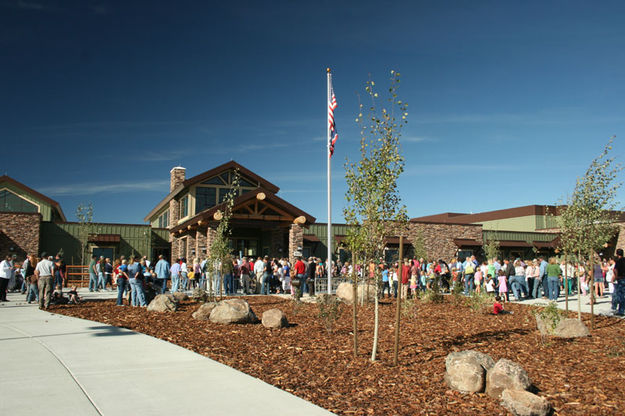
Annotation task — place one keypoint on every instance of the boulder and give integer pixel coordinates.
(203, 312)
(163, 303)
(466, 370)
(506, 374)
(524, 403)
(199, 295)
(345, 292)
(233, 311)
(180, 296)
(566, 328)
(274, 318)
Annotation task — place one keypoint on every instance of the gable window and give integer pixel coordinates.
(184, 206)
(10, 202)
(163, 220)
(205, 198)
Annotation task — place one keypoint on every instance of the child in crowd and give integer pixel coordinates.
(503, 285)
(73, 296)
(478, 280)
(498, 307)
(490, 284)
(57, 296)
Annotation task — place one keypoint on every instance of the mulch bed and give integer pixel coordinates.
(578, 377)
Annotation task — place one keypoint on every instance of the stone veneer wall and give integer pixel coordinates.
(296, 239)
(620, 241)
(200, 241)
(20, 231)
(439, 238)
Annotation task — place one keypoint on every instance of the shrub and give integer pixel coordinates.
(329, 310)
(479, 302)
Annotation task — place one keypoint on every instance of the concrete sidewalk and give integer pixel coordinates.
(59, 365)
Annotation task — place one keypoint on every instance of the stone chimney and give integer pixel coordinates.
(176, 177)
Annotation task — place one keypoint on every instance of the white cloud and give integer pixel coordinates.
(414, 139)
(113, 188)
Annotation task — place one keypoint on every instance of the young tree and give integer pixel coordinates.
(374, 206)
(84, 213)
(219, 252)
(587, 221)
(491, 248)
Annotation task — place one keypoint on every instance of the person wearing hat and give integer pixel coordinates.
(44, 272)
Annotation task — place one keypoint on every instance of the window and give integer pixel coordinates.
(205, 198)
(9, 202)
(184, 206)
(163, 220)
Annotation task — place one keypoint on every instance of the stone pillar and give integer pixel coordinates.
(200, 243)
(175, 248)
(191, 247)
(620, 241)
(296, 240)
(211, 232)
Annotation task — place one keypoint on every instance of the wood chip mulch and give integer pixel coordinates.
(578, 377)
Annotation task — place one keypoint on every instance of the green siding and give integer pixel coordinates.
(517, 236)
(527, 223)
(134, 239)
(45, 209)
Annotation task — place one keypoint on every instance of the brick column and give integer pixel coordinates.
(191, 246)
(200, 241)
(211, 232)
(296, 239)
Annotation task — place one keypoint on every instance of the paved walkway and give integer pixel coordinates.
(602, 305)
(59, 365)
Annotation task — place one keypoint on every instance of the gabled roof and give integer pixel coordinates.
(52, 202)
(208, 174)
(207, 214)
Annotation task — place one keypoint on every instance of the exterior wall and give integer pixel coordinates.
(439, 238)
(527, 223)
(45, 209)
(134, 239)
(620, 239)
(19, 234)
(200, 244)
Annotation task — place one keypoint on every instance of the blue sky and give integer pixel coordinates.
(509, 101)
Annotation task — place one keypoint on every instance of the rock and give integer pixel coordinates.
(571, 328)
(203, 312)
(274, 318)
(199, 295)
(524, 403)
(345, 292)
(466, 370)
(506, 374)
(180, 296)
(233, 311)
(162, 303)
(566, 328)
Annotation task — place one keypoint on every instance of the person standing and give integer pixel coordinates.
(162, 272)
(175, 276)
(300, 272)
(93, 274)
(184, 274)
(45, 272)
(135, 278)
(121, 274)
(100, 268)
(244, 270)
(29, 276)
(618, 298)
(542, 277)
(6, 269)
(108, 273)
(553, 273)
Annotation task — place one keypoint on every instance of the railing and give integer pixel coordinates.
(321, 283)
(77, 275)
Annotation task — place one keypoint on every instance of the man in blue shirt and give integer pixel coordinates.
(162, 272)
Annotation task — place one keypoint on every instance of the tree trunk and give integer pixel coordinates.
(376, 320)
(355, 306)
(592, 292)
(579, 290)
(398, 310)
(566, 285)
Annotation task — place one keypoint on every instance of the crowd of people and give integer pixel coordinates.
(42, 279)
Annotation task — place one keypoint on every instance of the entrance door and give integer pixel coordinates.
(106, 252)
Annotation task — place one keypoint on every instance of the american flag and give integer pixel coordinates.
(332, 127)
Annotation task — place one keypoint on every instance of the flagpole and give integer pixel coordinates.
(329, 266)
